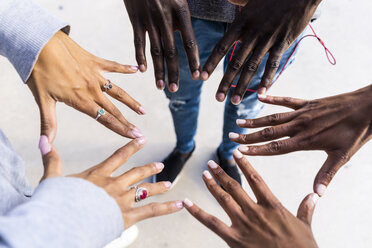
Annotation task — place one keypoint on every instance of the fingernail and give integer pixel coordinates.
(134, 67)
(160, 84)
(142, 68)
(220, 97)
(179, 204)
(233, 135)
(212, 164)
(167, 184)
(207, 175)
(240, 121)
(320, 189)
(314, 198)
(173, 87)
(262, 91)
(261, 96)
(236, 99)
(237, 154)
(142, 110)
(204, 76)
(196, 75)
(159, 166)
(187, 202)
(137, 133)
(44, 145)
(243, 148)
(142, 140)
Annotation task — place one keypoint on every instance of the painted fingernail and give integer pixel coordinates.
(207, 175)
(314, 198)
(179, 204)
(187, 202)
(320, 189)
(240, 121)
(136, 133)
(212, 164)
(262, 91)
(141, 140)
(159, 166)
(236, 99)
(261, 96)
(204, 76)
(167, 184)
(220, 97)
(142, 68)
(142, 110)
(173, 87)
(160, 84)
(44, 145)
(233, 135)
(134, 67)
(237, 154)
(196, 75)
(243, 148)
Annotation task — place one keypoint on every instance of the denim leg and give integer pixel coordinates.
(184, 104)
(250, 107)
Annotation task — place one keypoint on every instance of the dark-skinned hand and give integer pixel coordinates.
(161, 18)
(263, 26)
(263, 224)
(339, 125)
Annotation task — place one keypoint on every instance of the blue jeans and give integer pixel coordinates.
(184, 104)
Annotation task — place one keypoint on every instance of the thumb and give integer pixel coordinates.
(306, 209)
(51, 160)
(48, 119)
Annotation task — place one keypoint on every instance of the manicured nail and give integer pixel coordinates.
(179, 204)
(159, 166)
(237, 154)
(142, 110)
(243, 148)
(212, 164)
(167, 184)
(142, 68)
(196, 75)
(314, 198)
(187, 202)
(137, 133)
(262, 91)
(236, 99)
(160, 84)
(261, 96)
(173, 87)
(44, 145)
(233, 135)
(207, 175)
(220, 97)
(134, 67)
(240, 121)
(141, 140)
(320, 189)
(204, 76)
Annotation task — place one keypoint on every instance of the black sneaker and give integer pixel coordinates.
(229, 166)
(173, 165)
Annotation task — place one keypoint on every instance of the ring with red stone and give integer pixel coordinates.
(141, 193)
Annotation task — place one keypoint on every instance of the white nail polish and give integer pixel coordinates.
(314, 198)
(207, 175)
(233, 135)
(240, 121)
(261, 96)
(237, 154)
(187, 202)
(159, 166)
(212, 164)
(320, 189)
(179, 204)
(243, 148)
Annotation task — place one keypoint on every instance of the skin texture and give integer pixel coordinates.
(263, 26)
(64, 72)
(339, 125)
(161, 18)
(263, 224)
(119, 187)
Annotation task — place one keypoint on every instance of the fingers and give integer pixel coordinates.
(139, 43)
(232, 187)
(48, 118)
(288, 102)
(151, 210)
(260, 189)
(329, 169)
(120, 156)
(52, 163)
(270, 120)
(112, 66)
(306, 209)
(273, 148)
(272, 65)
(137, 174)
(109, 107)
(210, 221)
(154, 188)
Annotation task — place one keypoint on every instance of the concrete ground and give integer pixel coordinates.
(343, 215)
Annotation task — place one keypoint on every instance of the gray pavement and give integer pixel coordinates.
(343, 215)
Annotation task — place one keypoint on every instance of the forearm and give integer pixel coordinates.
(25, 28)
(63, 212)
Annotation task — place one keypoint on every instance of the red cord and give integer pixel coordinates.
(330, 57)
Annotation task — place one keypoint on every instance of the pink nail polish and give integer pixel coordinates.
(141, 140)
(237, 154)
(207, 175)
(320, 189)
(167, 184)
(243, 148)
(220, 97)
(212, 164)
(196, 75)
(187, 202)
(137, 133)
(179, 204)
(240, 121)
(134, 68)
(173, 87)
(204, 76)
(314, 198)
(235, 99)
(142, 68)
(160, 84)
(142, 110)
(44, 145)
(233, 135)
(159, 166)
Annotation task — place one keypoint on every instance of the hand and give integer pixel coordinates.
(263, 26)
(161, 18)
(338, 125)
(263, 224)
(65, 72)
(119, 187)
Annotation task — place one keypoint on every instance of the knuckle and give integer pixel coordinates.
(121, 94)
(329, 175)
(222, 49)
(156, 51)
(255, 178)
(213, 221)
(252, 66)
(138, 42)
(219, 172)
(236, 65)
(274, 64)
(190, 44)
(232, 185)
(181, 11)
(274, 146)
(274, 118)
(267, 133)
(171, 53)
(224, 198)
(110, 119)
(154, 209)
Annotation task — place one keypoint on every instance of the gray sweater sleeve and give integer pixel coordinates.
(25, 28)
(63, 212)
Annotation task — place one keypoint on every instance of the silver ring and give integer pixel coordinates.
(108, 86)
(141, 193)
(100, 113)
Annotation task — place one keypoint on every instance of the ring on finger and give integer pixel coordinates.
(141, 193)
(100, 113)
(107, 86)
